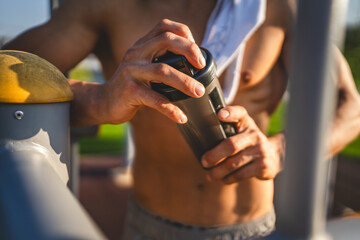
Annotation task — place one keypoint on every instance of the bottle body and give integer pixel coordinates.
(203, 130)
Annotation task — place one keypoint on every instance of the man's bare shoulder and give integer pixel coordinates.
(281, 13)
(79, 11)
(98, 13)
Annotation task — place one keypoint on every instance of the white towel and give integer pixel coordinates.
(231, 23)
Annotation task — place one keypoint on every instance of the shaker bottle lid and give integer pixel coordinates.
(179, 62)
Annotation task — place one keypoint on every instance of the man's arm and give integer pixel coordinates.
(346, 125)
(250, 153)
(67, 38)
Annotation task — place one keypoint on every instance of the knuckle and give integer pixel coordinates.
(232, 164)
(230, 144)
(263, 165)
(163, 23)
(258, 137)
(166, 37)
(161, 69)
(171, 110)
(184, 28)
(255, 135)
(130, 54)
(262, 149)
(172, 113)
(131, 88)
(263, 168)
(243, 110)
(125, 71)
(159, 100)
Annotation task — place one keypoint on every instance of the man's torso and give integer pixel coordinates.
(168, 180)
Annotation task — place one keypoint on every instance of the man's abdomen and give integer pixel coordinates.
(169, 180)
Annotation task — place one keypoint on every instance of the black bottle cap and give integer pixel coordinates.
(205, 75)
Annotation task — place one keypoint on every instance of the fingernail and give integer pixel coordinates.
(199, 89)
(204, 162)
(183, 119)
(224, 113)
(192, 39)
(202, 61)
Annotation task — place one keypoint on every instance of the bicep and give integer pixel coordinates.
(67, 38)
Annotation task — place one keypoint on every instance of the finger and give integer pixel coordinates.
(169, 41)
(232, 114)
(160, 103)
(239, 115)
(233, 163)
(163, 73)
(245, 172)
(166, 25)
(229, 147)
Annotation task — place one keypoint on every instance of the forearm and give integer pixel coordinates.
(278, 142)
(346, 124)
(88, 106)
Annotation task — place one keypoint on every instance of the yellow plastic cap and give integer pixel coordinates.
(27, 78)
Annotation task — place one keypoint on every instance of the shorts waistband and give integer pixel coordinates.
(162, 228)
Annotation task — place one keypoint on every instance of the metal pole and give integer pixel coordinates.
(74, 160)
(35, 203)
(302, 191)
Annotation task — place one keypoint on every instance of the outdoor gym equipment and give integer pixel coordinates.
(35, 202)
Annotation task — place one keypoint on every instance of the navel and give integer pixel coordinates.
(200, 186)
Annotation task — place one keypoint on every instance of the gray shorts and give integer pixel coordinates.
(143, 225)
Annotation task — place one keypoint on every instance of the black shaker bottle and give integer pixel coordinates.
(203, 130)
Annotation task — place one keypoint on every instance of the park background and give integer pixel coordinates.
(103, 152)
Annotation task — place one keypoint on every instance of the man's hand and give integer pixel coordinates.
(247, 154)
(129, 88)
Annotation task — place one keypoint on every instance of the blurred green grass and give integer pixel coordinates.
(109, 141)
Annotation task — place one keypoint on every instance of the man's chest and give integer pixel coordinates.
(129, 24)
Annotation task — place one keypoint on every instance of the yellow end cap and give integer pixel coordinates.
(27, 78)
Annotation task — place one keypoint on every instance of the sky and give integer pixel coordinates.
(354, 12)
(18, 15)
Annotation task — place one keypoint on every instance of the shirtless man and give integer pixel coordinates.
(168, 180)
